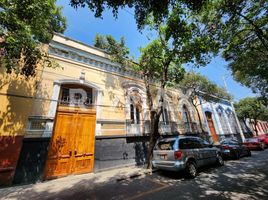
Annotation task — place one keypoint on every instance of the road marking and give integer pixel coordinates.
(150, 191)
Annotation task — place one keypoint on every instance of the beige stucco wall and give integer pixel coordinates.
(16, 102)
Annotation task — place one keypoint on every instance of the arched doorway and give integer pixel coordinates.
(211, 126)
(71, 149)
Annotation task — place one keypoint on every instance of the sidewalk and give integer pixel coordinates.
(71, 183)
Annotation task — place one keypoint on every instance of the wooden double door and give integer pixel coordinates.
(211, 126)
(71, 149)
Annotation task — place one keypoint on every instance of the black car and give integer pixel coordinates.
(233, 149)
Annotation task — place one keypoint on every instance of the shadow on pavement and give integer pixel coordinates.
(238, 179)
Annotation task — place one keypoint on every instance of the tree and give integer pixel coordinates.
(253, 109)
(143, 8)
(240, 27)
(200, 88)
(118, 50)
(158, 63)
(163, 59)
(24, 26)
(181, 40)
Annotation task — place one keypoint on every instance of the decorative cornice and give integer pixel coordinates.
(89, 59)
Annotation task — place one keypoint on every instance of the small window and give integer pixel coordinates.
(137, 116)
(187, 119)
(203, 143)
(132, 113)
(37, 124)
(165, 145)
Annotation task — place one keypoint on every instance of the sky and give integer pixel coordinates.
(83, 26)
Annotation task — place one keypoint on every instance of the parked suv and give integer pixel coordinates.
(185, 153)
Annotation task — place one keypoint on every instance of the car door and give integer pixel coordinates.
(209, 152)
(198, 151)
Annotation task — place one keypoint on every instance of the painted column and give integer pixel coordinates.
(99, 94)
(238, 124)
(52, 110)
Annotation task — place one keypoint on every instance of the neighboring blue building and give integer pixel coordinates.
(221, 120)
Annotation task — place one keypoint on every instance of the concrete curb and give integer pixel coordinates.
(135, 174)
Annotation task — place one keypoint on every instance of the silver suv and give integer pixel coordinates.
(185, 153)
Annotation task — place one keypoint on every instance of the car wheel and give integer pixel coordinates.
(249, 153)
(236, 155)
(262, 147)
(191, 169)
(220, 161)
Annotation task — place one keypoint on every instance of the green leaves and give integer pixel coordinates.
(25, 25)
(240, 27)
(118, 50)
(251, 108)
(199, 85)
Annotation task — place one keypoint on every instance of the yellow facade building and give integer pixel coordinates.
(88, 114)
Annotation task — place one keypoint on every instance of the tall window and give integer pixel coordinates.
(187, 119)
(232, 121)
(165, 117)
(223, 121)
(134, 113)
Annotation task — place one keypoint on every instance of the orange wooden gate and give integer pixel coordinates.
(71, 148)
(211, 127)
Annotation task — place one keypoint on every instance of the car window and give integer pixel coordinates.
(204, 143)
(165, 145)
(189, 143)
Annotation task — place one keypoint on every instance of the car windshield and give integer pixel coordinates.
(165, 145)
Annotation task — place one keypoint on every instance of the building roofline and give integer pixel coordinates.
(80, 42)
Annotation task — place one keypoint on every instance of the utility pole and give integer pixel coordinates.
(236, 118)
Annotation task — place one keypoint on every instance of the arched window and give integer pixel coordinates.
(187, 119)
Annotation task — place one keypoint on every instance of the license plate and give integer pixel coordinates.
(163, 157)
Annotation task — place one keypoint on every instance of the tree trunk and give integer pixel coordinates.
(153, 136)
(154, 115)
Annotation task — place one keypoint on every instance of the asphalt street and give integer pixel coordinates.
(238, 179)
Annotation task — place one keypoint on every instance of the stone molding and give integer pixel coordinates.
(89, 59)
